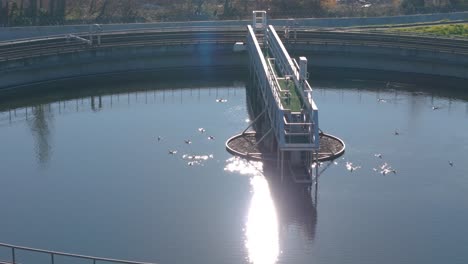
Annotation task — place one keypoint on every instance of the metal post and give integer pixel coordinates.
(13, 255)
(52, 258)
(90, 34)
(317, 165)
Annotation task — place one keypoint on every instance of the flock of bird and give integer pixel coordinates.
(385, 168)
(194, 159)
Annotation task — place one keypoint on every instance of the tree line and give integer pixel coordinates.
(31, 12)
(53, 12)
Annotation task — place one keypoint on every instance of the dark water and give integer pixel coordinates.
(82, 171)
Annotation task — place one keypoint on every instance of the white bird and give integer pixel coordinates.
(201, 130)
(378, 155)
(451, 163)
(211, 138)
(385, 165)
(221, 100)
(381, 100)
(350, 167)
(190, 163)
(172, 152)
(188, 141)
(435, 107)
(388, 170)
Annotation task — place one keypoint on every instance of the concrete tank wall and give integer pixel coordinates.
(124, 59)
(121, 59)
(385, 59)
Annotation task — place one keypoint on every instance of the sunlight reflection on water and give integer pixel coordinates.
(261, 228)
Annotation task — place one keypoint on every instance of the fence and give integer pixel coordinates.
(15, 249)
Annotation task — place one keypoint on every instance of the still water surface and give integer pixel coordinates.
(83, 171)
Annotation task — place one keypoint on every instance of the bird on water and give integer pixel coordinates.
(350, 167)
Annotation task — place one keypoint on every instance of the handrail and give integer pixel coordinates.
(132, 31)
(13, 50)
(56, 253)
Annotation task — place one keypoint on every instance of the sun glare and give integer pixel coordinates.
(261, 228)
(262, 225)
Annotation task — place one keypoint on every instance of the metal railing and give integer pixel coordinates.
(291, 68)
(20, 49)
(271, 97)
(14, 254)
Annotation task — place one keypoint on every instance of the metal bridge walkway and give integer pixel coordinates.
(286, 94)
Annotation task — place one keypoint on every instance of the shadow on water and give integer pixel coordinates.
(114, 84)
(375, 80)
(296, 203)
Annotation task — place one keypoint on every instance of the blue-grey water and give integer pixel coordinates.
(82, 171)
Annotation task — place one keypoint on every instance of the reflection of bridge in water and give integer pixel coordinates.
(296, 204)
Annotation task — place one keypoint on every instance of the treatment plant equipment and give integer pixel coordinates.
(289, 116)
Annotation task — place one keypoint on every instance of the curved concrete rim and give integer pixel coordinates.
(339, 153)
(259, 156)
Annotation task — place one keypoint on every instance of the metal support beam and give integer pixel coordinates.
(254, 121)
(71, 36)
(264, 136)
